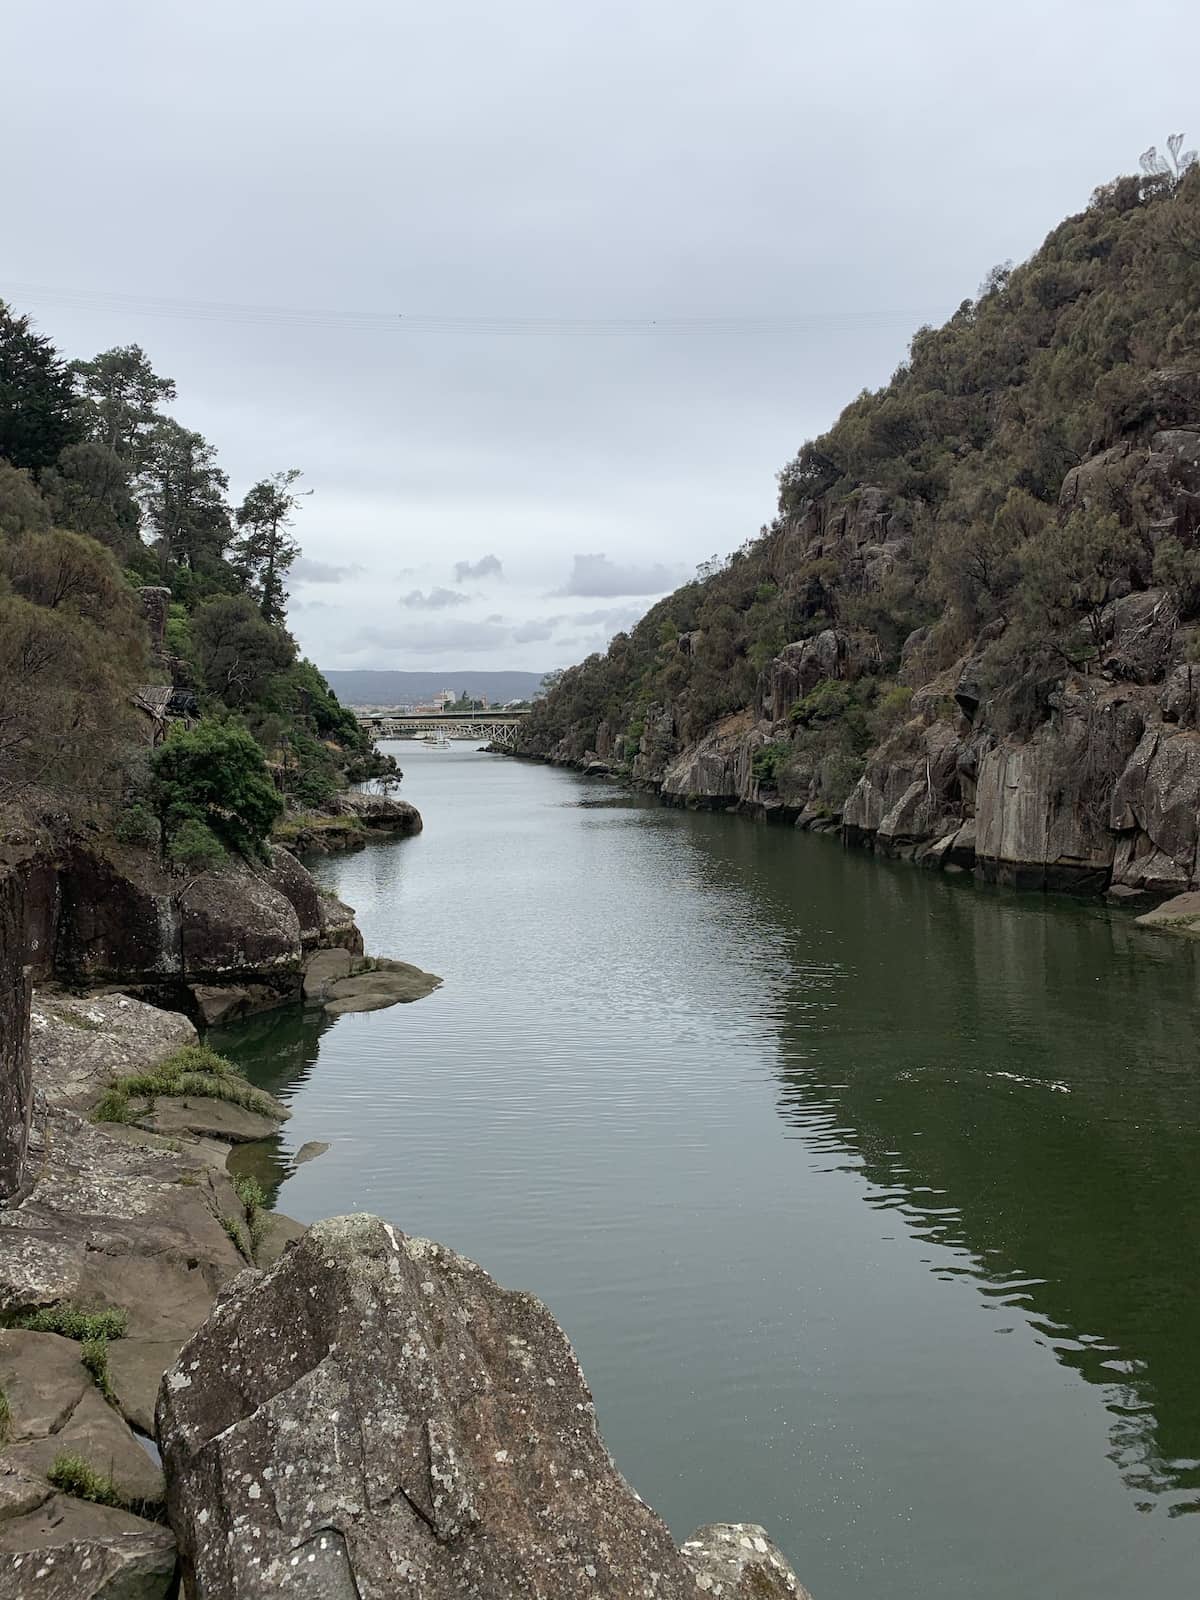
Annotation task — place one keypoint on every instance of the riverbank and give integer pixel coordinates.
(126, 1228)
(124, 1328)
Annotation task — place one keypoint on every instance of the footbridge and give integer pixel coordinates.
(494, 726)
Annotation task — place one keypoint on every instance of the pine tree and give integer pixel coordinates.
(265, 550)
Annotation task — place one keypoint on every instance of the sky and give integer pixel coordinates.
(540, 296)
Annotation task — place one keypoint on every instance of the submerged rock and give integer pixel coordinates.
(377, 1417)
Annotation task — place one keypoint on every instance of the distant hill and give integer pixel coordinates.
(367, 688)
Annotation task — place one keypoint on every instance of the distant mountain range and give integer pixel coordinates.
(370, 688)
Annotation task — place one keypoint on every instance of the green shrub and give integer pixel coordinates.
(215, 774)
(196, 847)
(768, 759)
(136, 825)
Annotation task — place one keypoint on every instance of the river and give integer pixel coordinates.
(870, 1198)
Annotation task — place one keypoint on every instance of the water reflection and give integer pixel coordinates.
(784, 1135)
(1033, 1106)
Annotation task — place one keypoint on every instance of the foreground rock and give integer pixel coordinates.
(376, 1417)
(128, 1560)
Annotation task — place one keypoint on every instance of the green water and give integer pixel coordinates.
(870, 1198)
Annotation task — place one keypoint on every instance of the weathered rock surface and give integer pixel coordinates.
(80, 1045)
(382, 813)
(385, 983)
(739, 1561)
(16, 1081)
(230, 941)
(115, 1216)
(415, 1430)
(1180, 915)
(97, 1554)
(342, 982)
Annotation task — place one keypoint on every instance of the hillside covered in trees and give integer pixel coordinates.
(969, 632)
(148, 680)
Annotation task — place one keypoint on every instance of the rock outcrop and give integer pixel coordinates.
(376, 1417)
(219, 944)
(138, 1225)
(343, 982)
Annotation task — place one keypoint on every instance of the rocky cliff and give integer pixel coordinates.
(93, 912)
(972, 633)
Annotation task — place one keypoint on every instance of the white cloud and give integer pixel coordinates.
(599, 577)
(488, 567)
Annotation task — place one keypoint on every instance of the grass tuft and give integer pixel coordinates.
(94, 1356)
(74, 1323)
(72, 1475)
(193, 1070)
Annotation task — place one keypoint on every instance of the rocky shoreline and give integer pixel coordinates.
(954, 851)
(343, 1413)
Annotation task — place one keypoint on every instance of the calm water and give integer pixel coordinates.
(869, 1198)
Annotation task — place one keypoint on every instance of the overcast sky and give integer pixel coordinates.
(807, 183)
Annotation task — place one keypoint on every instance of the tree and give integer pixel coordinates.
(1069, 570)
(88, 489)
(237, 650)
(265, 551)
(122, 394)
(182, 492)
(39, 410)
(214, 775)
(72, 646)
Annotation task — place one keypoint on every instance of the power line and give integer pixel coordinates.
(385, 322)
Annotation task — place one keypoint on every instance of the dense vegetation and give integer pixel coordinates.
(104, 494)
(964, 452)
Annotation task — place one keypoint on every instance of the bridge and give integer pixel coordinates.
(494, 726)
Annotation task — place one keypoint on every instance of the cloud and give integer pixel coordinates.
(306, 570)
(488, 567)
(535, 631)
(435, 600)
(433, 638)
(598, 577)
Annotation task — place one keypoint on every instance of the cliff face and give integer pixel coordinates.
(970, 635)
(88, 913)
(15, 1083)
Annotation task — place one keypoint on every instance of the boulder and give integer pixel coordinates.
(1180, 915)
(323, 968)
(296, 884)
(1042, 804)
(110, 1556)
(717, 770)
(376, 1416)
(385, 983)
(1155, 806)
(382, 813)
(739, 1561)
(798, 668)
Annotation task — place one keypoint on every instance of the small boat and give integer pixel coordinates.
(436, 741)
